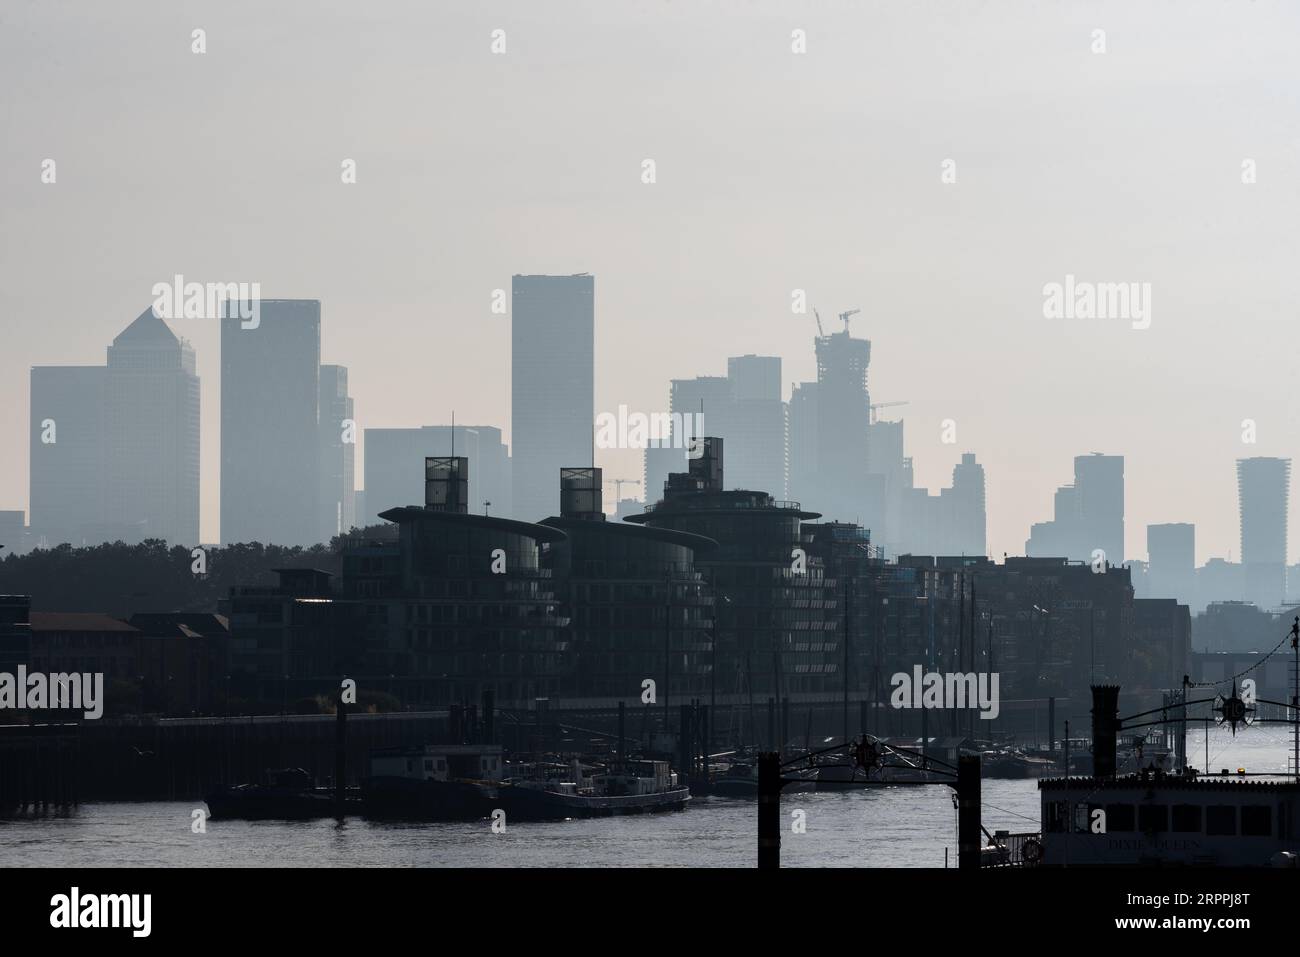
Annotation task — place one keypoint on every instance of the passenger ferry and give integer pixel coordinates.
(1154, 817)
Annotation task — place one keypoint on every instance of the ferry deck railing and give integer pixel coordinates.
(1008, 850)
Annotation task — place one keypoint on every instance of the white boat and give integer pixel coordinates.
(1156, 819)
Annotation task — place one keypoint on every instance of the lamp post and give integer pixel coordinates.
(713, 672)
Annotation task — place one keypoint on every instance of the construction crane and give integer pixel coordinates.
(871, 409)
(820, 331)
(846, 316)
(618, 486)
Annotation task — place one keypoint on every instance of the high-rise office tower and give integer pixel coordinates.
(552, 401)
(837, 486)
(1263, 486)
(966, 513)
(756, 433)
(1099, 493)
(888, 488)
(699, 403)
(802, 442)
(151, 479)
(394, 465)
(950, 523)
(67, 448)
(1171, 561)
(337, 453)
(745, 408)
(270, 438)
(1089, 515)
(115, 448)
(844, 404)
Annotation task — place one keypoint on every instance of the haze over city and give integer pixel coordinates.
(775, 172)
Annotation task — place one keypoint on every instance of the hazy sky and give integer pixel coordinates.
(775, 171)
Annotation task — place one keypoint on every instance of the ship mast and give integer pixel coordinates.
(1295, 699)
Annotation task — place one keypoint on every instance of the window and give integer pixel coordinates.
(1153, 818)
(1056, 817)
(1220, 820)
(1187, 819)
(1119, 817)
(1257, 820)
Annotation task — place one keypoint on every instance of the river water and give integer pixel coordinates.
(882, 827)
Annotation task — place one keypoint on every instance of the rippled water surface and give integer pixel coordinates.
(887, 827)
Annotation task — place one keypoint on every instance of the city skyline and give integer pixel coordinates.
(942, 272)
(625, 437)
(683, 392)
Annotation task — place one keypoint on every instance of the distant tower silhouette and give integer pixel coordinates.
(337, 456)
(1263, 486)
(270, 438)
(124, 463)
(552, 381)
(152, 410)
(843, 415)
(1171, 554)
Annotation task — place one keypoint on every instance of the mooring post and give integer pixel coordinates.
(769, 811)
(1105, 730)
(968, 811)
(622, 731)
(684, 729)
(340, 755)
(1065, 750)
(706, 739)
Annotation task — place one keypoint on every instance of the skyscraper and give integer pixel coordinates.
(756, 430)
(888, 487)
(115, 448)
(1263, 486)
(552, 382)
(745, 408)
(270, 390)
(151, 480)
(67, 447)
(801, 420)
(394, 475)
(950, 523)
(337, 453)
(844, 403)
(1099, 492)
(1171, 557)
(1088, 515)
(966, 513)
(839, 411)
